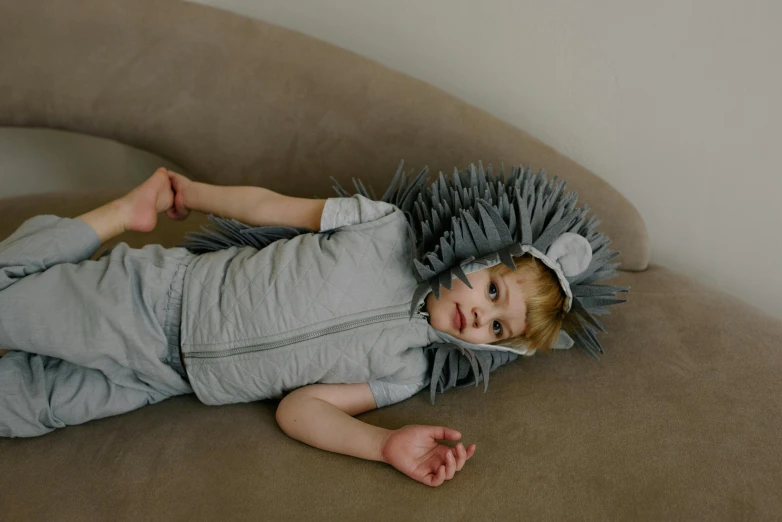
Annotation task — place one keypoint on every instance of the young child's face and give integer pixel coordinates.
(493, 310)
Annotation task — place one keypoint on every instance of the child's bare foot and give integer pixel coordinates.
(142, 204)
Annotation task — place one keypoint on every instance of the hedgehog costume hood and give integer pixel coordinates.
(469, 222)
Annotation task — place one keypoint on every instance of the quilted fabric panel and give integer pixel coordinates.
(244, 297)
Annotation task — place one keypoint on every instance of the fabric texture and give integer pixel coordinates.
(90, 339)
(326, 307)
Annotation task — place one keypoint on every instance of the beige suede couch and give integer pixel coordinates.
(680, 419)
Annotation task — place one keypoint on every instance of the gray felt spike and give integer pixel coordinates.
(482, 183)
(445, 279)
(554, 219)
(457, 202)
(434, 196)
(460, 248)
(502, 204)
(446, 216)
(437, 368)
(494, 191)
(457, 270)
(391, 187)
(453, 368)
(590, 334)
(436, 226)
(437, 265)
(598, 241)
(512, 224)
(473, 365)
(434, 284)
(595, 290)
(427, 235)
(338, 188)
(478, 237)
(587, 316)
(443, 188)
(457, 182)
(468, 244)
(592, 224)
(516, 250)
(594, 302)
(448, 255)
(503, 233)
(524, 222)
(494, 242)
(424, 272)
(537, 214)
(360, 189)
(582, 342)
(548, 237)
(599, 276)
(408, 198)
(485, 363)
(419, 210)
(589, 340)
(507, 258)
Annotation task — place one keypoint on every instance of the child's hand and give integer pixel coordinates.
(180, 185)
(413, 451)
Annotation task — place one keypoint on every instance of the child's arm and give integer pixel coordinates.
(321, 415)
(251, 205)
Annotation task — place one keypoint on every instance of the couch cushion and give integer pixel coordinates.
(677, 421)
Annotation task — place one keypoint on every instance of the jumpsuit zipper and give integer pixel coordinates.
(254, 347)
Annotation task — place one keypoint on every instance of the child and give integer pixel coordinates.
(320, 319)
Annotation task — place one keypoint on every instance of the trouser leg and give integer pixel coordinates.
(98, 335)
(39, 394)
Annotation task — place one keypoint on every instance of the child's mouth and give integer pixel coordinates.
(458, 319)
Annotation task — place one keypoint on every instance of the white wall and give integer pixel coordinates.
(677, 104)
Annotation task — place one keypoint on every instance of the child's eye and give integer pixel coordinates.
(498, 333)
(499, 326)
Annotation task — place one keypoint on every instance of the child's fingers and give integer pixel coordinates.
(461, 456)
(450, 465)
(440, 475)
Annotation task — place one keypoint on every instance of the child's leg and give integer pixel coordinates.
(46, 240)
(115, 315)
(137, 210)
(39, 394)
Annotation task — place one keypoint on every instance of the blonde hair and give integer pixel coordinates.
(545, 302)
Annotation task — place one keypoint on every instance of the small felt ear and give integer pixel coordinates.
(572, 251)
(563, 342)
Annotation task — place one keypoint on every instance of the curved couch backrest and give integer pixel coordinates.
(236, 100)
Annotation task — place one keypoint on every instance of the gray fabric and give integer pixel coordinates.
(94, 338)
(357, 267)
